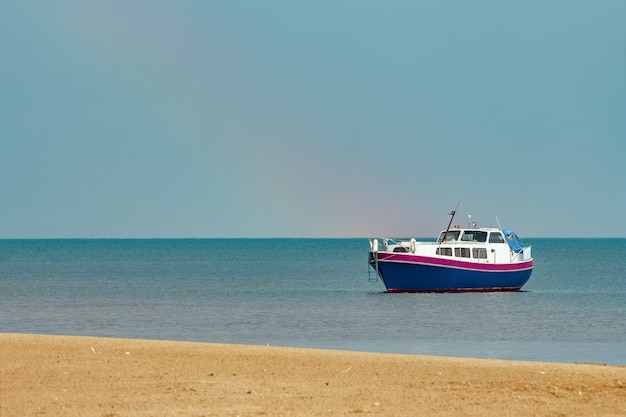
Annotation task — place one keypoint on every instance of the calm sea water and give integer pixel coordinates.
(312, 293)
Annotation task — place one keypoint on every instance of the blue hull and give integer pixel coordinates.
(415, 277)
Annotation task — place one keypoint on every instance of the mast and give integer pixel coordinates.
(452, 213)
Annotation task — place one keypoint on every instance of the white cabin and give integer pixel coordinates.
(479, 245)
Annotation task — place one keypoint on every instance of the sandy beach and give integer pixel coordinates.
(87, 376)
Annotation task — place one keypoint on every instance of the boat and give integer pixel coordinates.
(472, 259)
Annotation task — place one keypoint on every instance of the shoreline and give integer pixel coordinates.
(96, 376)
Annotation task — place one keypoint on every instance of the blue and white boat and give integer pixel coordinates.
(461, 260)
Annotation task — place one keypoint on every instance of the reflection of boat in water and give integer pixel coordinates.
(460, 260)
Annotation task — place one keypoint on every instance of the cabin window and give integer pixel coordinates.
(496, 237)
(444, 251)
(479, 253)
(462, 252)
(451, 236)
(474, 236)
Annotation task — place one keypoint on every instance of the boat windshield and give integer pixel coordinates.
(496, 237)
(474, 236)
(452, 235)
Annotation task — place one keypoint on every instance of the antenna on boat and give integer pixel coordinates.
(452, 213)
(498, 221)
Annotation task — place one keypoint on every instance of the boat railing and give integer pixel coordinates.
(383, 244)
(523, 255)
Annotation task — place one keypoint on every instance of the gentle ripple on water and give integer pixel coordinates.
(311, 293)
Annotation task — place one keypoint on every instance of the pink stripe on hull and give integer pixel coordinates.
(450, 263)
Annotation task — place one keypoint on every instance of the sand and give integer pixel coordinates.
(87, 376)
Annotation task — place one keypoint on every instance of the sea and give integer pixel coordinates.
(312, 293)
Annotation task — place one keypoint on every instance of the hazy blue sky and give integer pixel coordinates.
(311, 118)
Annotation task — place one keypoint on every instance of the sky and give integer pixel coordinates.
(242, 118)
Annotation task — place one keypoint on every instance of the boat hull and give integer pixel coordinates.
(410, 273)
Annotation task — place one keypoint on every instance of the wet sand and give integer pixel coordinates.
(87, 376)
